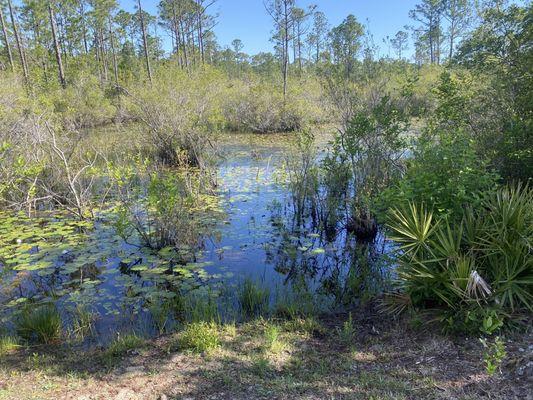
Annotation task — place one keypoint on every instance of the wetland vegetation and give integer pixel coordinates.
(324, 221)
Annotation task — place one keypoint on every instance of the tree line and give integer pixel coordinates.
(60, 37)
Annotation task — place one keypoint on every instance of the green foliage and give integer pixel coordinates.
(348, 331)
(200, 337)
(8, 344)
(446, 174)
(124, 343)
(201, 306)
(254, 299)
(41, 324)
(493, 355)
(473, 268)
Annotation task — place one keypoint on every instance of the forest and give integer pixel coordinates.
(341, 217)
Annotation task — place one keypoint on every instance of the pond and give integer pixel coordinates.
(88, 266)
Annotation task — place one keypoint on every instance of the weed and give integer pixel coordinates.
(201, 307)
(83, 320)
(123, 344)
(253, 299)
(273, 342)
(8, 344)
(493, 355)
(304, 325)
(42, 324)
(200, 337)
(347, 332)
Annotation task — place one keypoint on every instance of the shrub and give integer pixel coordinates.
(476, 269)
(42, 324)
(200, 337)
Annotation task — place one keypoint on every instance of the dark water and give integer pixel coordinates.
(259, 238)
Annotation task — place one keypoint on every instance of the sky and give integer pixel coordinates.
(247, 19)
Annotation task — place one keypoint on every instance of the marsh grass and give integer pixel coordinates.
(42, 324)
(201, 306)
(294, 303)
(199, 337)
(83, 322)
(253, 298)
(122, 344)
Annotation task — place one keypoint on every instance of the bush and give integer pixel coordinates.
(476, 269)
(42, 324)
(445, 174)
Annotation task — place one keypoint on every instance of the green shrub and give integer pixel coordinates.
(42, 324)
(200, 337)
(475, 271)
(253, 298)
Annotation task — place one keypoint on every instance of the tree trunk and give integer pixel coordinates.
(6, 40)
(56, 46)
(286, 49)
(113, 51)
(84, 27)
(145, 43)
(19, 42)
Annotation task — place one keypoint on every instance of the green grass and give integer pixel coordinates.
(42, 324)
(8, 344)
(200, 337)
(253, 298)
(122, 344)
(273, 343)
(83, 320)
(347, 332)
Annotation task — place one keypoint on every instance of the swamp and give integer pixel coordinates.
(332, 217)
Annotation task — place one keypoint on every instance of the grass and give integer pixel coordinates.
(253, 298)
(8, 344)
(245, 365)
(122, 344)
(200, 337)
(42, 324)
(83, 321)
(201, 307)
(347, 332)
(273, 343)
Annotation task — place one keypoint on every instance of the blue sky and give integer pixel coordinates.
(248, 20)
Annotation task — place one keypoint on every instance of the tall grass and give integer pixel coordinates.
(41, 324)
(254, 299)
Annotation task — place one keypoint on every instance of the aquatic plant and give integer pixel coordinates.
(83, 321)
(199, 337)
(200, 306)
(42, 324)
(253, 298)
